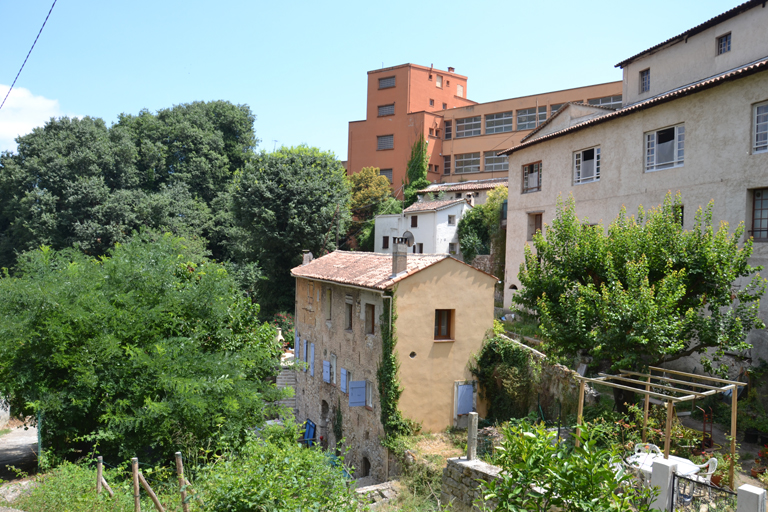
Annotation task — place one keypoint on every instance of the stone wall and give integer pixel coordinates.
(461, 483)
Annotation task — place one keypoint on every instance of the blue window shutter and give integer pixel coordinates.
(343, 380)
(312, 359)
(357, 393)
(304, 351)
(327, 371)
(297, 349)
(466, 392)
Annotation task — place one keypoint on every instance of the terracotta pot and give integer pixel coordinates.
(757, 470)
(716, 479)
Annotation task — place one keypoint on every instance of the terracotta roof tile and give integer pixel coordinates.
(713, 81)
(426, 206)
(365, 269)
(466, 185)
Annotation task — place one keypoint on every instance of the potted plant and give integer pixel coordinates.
(760, 462)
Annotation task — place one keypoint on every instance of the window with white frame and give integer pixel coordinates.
(530, 118)
(613, 102)
(448, 130)
(760, 215)
(467, 162)
(645, 80)
(665, 148)
(387, 82)
(586, 165)
(387, 173)
(452, 248)
(724, 44)
(499, 123)
(532, 177)
(760, 143)
(439, 81)
(495, 162)
(447, 164)
(387, 110)
(385, 142)
(451, 220)
(468, 127)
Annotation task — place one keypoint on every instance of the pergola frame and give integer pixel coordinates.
(676, 395)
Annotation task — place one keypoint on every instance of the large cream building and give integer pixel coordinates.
(694, 120)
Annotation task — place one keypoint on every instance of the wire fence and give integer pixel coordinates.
(697, 496)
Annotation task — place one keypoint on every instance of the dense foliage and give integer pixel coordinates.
(416, 173)
(644, 292)
(284, 202)
(146, 351)
(480, 230)
(371, 196)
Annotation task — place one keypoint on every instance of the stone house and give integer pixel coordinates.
(442, 309)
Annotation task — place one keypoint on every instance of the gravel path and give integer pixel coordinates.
(19, 449)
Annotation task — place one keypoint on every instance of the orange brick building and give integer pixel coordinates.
(464, 136)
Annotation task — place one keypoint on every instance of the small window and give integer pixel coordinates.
(495, 162)
(460, 91)
(385, 242)
(723, 44)
(431, 102)
(645, 80)
(387, 110)
(467, 162)
(534, 224)
(458, 195)
(439, 81)
(328, 304)
(499, 123)
(452, 248)
(333, 369)
(445, 106)
(414, 221)
(665, 148)
(437, 169)
(448, 130)
(760, 216)
(468, 127)
(418, 248)
(370, 322)
(386, 83)
(532, 177)
(385, 142)
(437, 132)
(431, 132)
(760, 143)
(530, 118)
(586, 166)
(554, 108)
(348, 309)
(387, 173)
(443, 324)
(451, 220)
(447, 164)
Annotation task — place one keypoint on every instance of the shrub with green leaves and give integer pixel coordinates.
(150, 350)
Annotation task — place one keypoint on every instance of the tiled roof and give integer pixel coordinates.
(426, 206)
(713, 81)
(562, 109)
(698, 28)
(365, 269)
(465, 185)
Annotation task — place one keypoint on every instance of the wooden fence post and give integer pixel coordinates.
(472, 436)
(136, 495)
(151, 493)
(99, 473)
(182, 482)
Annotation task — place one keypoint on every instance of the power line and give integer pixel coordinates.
(28, 54)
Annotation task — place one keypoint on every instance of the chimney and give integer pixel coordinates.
(399, 255)
(451, 70)
(307, 257)
(470, 199)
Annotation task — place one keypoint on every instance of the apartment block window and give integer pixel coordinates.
(448, 130)
(554, 108)
(431, 102)
(499, 123)
(467, 162)
(370, 323)
(532, 177)
(452, 248)
(386, 110)
(645, 80)
(665, 148)
(418, 248)
(443, 324)
(414, 221)
(431, 132)
(586, 166)
(761, 128)
(760, 215)
(439, 81)
(468, 127)
(723, 44)
(451, 220)
(386, 83)
(385, 142)
(387, 173)
(328, 304)
(437, 169)
(385, 242)
(494, 162)
(530, 118)
(447, 164)
(534, 224)
(613, 102)
(445, 106)
(348, 309)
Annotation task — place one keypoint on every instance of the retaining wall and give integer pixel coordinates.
(461, 487)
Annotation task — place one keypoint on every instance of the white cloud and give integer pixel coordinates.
(22, 112)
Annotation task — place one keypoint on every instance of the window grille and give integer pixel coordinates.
(468, 127)
(386, 83)
(467, 162)
(387, 173)
(385, 142)
(494, 162)
(387, 110)
(499, 123)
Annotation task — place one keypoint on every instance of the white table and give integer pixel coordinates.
(644, 462)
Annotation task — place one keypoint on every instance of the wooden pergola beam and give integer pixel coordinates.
(659, 386)
(674, 381)
(699, 377)
(666, 398)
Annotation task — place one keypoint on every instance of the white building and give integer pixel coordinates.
(478, 188)
(433, 225)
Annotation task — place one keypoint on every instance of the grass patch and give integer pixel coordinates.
(4, 431)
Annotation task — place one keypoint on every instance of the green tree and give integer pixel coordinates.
(480, 231)
(368, 189)
(152, 348)
(416, 173)
(285, 202)
(646, 291)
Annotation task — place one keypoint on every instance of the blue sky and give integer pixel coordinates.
(301, 66)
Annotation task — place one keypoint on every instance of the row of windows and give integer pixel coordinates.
(470, 162)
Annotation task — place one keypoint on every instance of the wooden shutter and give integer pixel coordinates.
(312, 359)
(326, 371)
(357, 393)
(465, 402)
(343, 380)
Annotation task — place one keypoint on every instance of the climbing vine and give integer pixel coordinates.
(387, 376)
(338, 431)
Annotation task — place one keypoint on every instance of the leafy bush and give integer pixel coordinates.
(150, 350)
(285, 321)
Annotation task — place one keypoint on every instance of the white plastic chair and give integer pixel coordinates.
(706, 478)
(647, 448)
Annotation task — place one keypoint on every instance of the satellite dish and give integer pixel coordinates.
(408, 238)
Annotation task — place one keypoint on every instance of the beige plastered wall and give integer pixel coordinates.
(719, 165)
(684, 62)
(428, 378)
